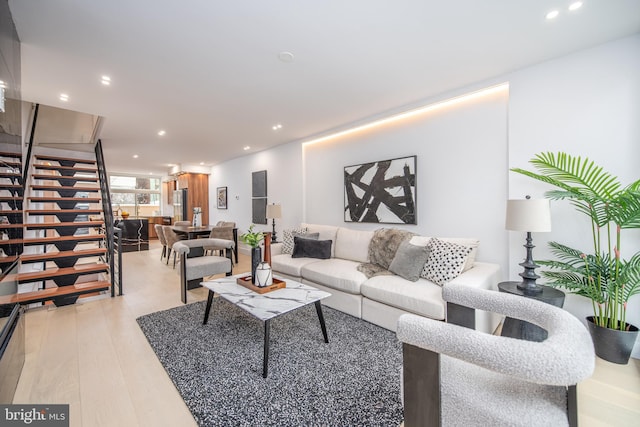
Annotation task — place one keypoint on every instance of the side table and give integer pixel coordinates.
(516, 328)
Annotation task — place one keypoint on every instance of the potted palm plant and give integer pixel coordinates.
(253, 239)
(601, 274)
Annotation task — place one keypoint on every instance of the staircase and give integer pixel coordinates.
(64, 238)
(12, 192)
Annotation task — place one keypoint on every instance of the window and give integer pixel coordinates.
(140, 196)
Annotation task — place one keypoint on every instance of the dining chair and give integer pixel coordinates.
(162, 239)
(223, 233)
(182, 223)
(171, 237)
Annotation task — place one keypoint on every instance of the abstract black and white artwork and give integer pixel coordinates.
(381, 192)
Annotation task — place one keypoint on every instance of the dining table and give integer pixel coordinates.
(204, 230)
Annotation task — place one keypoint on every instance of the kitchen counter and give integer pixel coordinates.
(135, 233)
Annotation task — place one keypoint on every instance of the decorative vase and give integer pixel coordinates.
(197, 219)
(256, 258)
(263, 275)
(612, 345)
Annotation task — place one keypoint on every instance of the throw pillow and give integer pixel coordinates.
(309, 248)
(287, 238)
(445, 261)
(409, 261)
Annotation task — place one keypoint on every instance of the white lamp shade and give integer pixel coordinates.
(532, 215)
(274, 211)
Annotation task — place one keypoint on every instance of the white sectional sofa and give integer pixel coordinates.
(380, 299)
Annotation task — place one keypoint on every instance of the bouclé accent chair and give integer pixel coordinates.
(456, 376)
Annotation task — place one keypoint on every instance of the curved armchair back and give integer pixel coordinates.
(184, 246)
(182, 223)
(463, 361)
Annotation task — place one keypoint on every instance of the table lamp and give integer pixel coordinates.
(274, 211)
(529, 215)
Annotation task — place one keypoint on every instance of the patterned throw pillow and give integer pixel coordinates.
(287, 239)
(445, 261)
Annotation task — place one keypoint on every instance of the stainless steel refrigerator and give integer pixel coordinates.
(180, 202)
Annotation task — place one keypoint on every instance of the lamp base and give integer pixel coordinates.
(528, 285)
(274, 239)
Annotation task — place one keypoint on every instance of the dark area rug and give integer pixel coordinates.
(217, 368)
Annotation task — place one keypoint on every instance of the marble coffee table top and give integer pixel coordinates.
(269, 305)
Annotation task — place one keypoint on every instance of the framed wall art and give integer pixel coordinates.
(259, 197)
(381, 192)
(222, 197)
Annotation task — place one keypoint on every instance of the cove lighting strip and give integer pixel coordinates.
(415, 112)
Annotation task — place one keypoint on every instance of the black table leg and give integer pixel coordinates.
(321, 318)
(206, 311)
(265, 358)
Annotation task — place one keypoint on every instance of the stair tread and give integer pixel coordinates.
(63, 254)
(40, 225)
(55, 211)
(4, 163)
(10, 174)
(43, 240)
(60, 177)
(56, 158)
(11, 225)
(65, 199)
(8, 259)
(64, 271)
(67, 168)
(61, 187)
(10, 154)
(10, 212)
(50, 293)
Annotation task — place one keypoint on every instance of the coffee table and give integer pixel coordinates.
(266, 306)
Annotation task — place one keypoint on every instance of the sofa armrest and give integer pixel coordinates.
(276, 248)
(483, 275)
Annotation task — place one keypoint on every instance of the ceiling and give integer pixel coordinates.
(209, 74)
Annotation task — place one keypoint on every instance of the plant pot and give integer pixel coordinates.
(256, 259)
(612, 345)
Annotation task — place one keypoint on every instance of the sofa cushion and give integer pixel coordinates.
(445, 262)
(290, 266)
(421, 297)
(311, 248)
(409, 261)
(289, 234)
(326, 232)
(353, 244)
(470, 242)
(335, 273)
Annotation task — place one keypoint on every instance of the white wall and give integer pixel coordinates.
(284, 186)
(586, 104)
(461, 171)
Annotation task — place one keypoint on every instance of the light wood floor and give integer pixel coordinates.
(93, 356)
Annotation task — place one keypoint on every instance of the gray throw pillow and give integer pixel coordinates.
(409, 261)
(309, 248)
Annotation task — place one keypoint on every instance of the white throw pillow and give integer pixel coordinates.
(287, 238)
(445, 262)
(469, 242)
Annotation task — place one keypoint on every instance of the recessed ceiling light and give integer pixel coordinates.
(245, 148)
(161, 133)
(276, 127)
(575, 5)
(135, 156)
(201, 163)
(552, 15)
(285, 56)
(64, 97)
(106, 80)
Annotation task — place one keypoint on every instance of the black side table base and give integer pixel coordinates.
(516, 328)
